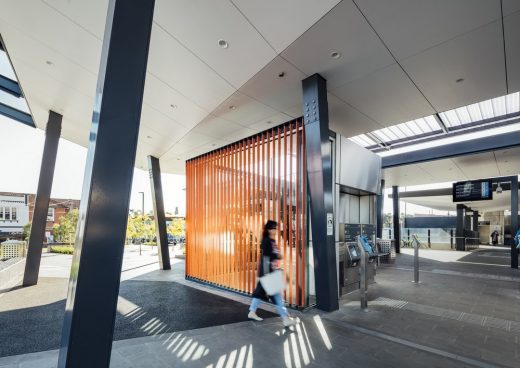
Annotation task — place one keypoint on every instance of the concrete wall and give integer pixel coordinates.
(11, 272)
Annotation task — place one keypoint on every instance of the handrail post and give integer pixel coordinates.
(363, 279)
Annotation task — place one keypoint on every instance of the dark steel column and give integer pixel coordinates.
(379, 211)
(88, 326)
(41, 205)
(514, 220)
(319, 177)
(459, 232)
(154, 170)
(397, 227)
(475, 221)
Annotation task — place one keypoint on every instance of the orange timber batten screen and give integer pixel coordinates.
(231, 193)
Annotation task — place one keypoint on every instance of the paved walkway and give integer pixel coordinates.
(463, 314)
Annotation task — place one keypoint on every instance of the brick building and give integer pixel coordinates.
(17, 209)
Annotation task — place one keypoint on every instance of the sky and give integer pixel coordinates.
(20, 161)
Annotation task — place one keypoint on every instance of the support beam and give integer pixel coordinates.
(459, 232)
(10, 86)
(514, 220)
(484, 144)
(43, 196)
(88, 326)
(319, 174)
(397, 226)
(475, 221)
(154, 170)
(379, 211)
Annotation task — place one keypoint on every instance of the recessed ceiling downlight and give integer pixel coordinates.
(459, 80)
(335, 54)
(223, 43)
(232, 107)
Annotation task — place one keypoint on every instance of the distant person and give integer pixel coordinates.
(517, 239)
(269, 261)
(494, 237)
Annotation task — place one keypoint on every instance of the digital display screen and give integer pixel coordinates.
(473, 190)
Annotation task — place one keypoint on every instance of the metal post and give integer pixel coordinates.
(397, 228)
(88, 326)
(415, 260)
(379, 211)
(429, 238)
(142, 220)
(459, 234)
(158, 209)
(363, 277)
(475, 221)
(451, 238)
(319, 179)
(41, 206)
(514, 220)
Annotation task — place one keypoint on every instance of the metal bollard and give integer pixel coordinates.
(416, 261)
(363, 279)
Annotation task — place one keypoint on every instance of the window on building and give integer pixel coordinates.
(13, 213)
(50, 214)
(1, 213)
(7, 213)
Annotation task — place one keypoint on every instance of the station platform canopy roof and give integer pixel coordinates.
(219, 71)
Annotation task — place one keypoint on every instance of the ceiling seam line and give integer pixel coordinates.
(194, 54)
(393, 56)
(252, 25)
(504, 45)
(71, 20)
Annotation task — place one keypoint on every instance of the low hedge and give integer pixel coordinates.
(62, 249)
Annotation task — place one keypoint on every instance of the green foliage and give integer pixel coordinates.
(177, 227)
(61, 249)
(27, 231)
(140, 227)
(65, 230)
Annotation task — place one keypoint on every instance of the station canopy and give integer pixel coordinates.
(219, 71)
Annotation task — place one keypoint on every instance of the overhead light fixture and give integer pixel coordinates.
(48, 62)
(281, 74)
(173, 106)
(232, 107)
(459, 80)
(335, 54)
(268, 122)
(499, 189)
(149, 136)
(223, 43)
(213, 145)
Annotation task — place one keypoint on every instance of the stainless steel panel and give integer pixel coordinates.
(358, 168)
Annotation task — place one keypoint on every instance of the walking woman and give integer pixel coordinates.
(269, 261)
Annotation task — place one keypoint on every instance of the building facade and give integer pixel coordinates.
(17, 209)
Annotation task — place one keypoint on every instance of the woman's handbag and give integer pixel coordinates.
(272, 282)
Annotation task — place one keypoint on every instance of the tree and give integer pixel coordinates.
(177, 227)
(139, 228)
(27, 231)
(65, 230)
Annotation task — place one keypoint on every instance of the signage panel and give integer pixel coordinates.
(472, 190)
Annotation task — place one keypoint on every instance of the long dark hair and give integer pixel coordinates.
(269, 225)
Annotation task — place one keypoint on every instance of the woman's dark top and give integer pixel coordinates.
(269, 254)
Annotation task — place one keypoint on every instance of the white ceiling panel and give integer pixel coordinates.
(277, 92)
(411, 26)
(172, 103)
(216, 127)
(477, 57)
(386, 96)
(343, 30)
(237, 135)
(271, 121)
(243, 110)
(279, 27)
(443, 170)
(476, 166)
(510, 6)
(90, 15)
(406, 176)
(162, 124)
(346, 120)
(180, 69)
(53, 30)
(509, 161)
(247, 52)
(512, 38)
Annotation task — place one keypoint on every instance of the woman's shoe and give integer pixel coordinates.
(288, 322)
(254, 316)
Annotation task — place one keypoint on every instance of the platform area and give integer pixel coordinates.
(464, 313)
